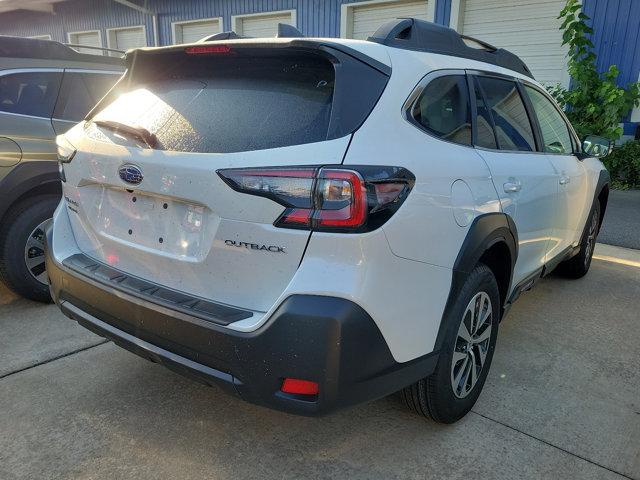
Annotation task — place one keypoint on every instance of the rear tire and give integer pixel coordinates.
(578, 266)
(22, 226)
(465, 356)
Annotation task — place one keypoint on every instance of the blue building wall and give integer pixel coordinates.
(315, 17)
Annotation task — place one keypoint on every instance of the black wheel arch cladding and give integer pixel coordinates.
(26, 177)
(486, 231)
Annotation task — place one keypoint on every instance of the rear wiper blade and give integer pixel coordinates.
(128, 130)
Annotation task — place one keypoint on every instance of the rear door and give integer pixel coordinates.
(27, 98)
(163, 213)
(525, 179)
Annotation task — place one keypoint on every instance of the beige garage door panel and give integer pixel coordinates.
(192, 32)
(128, 38)
(262, 26)
(530, 29)
(367, 18)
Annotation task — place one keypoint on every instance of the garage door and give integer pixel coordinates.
(91, 39)
(126, 38)
(363, 20)
(262, 25)
(529, 28)
(194, 31)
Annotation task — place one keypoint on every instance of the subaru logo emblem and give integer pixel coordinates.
(130, 174)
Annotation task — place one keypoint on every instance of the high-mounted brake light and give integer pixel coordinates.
(208, 50)
(331, 198)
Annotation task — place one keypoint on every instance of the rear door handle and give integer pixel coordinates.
(564, 180)
(512, 187)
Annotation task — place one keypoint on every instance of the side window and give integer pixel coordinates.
(29, 93)
(512, 125)
(80, 92)
(443, 109)
(555, 133)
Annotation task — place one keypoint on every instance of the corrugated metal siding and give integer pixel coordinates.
(616, 36)
(314, 17)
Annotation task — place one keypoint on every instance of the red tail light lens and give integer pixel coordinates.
(299, 387)
(340, 199)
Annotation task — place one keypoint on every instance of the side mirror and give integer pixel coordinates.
(595, 146)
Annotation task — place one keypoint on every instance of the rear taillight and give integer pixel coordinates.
(330, 198)
(66, 152)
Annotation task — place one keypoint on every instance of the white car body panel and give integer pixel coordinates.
(400, 274)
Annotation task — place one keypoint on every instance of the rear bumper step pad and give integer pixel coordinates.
(204, 309)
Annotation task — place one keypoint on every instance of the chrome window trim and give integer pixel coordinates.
(91, 70)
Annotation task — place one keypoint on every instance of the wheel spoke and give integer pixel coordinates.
(459, 374)
(42, 277)
(486, 333)
(457, 356)
(474, 371)
(463, 332)
(35, 240)
(482, 352)
(34, 260)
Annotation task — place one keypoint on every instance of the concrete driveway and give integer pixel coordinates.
(562, 401)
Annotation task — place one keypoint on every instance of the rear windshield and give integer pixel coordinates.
(229, 105)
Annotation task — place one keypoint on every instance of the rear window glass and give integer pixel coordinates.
(231, 105)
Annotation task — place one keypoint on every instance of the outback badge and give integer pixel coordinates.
(130, 174)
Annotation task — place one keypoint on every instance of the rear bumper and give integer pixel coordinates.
(327, 340)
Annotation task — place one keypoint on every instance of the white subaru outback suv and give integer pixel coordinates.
(314, 223)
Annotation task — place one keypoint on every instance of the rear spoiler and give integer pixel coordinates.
(143, 54)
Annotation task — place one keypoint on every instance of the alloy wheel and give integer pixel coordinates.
(591, 236)
(34, 254)
(472, 345)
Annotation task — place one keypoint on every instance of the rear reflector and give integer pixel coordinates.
(331, 198)
(208, 50)
(299, 387)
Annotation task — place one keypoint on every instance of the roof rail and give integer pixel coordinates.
(18, 47)
(419, 35)
(284, 31)
(75, 46)
(230, 35)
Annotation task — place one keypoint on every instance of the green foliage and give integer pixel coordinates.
(595, 104)
(624, 165)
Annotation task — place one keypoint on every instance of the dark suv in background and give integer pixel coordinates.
(45, 88)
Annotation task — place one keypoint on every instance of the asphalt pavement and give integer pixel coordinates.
(621, 224)
(562, 401)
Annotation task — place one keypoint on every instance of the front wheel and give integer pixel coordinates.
(22, 266)
(465, 356)
(578, 266)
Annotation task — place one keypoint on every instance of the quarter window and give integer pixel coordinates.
(512, 125)
(29, 93)
(443, 109)
(80, 92)
(555, 133)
